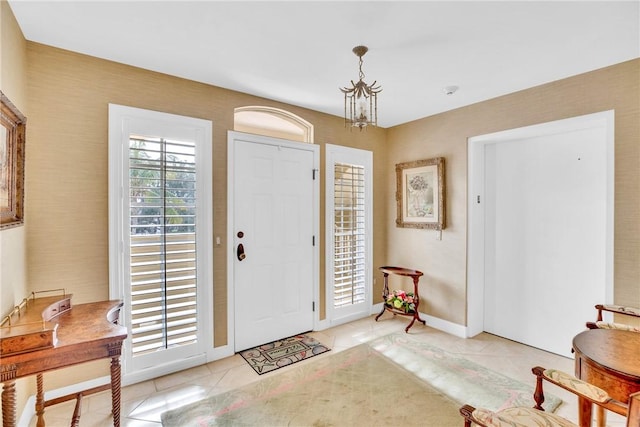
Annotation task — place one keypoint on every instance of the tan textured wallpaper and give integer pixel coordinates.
(13, 60)
(444, 261)
(67, 179)
(13, 260)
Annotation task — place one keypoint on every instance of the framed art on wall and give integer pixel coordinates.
(12, 140)
(420, 194)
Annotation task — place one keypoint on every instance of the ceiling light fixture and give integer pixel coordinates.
(361, 99)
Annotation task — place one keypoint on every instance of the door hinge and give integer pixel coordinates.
(313, 306)
(478, 199)
(313, 240)
(313, 171)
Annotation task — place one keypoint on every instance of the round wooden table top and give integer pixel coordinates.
(401, 271)
(612, 349)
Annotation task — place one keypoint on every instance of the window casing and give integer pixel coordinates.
(349, 248)
(160, 238)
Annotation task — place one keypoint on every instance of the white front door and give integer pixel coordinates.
(274, 193)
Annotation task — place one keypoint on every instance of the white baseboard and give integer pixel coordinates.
(221, 352)
(434, 322)
(321, 325)
(375, 308)
(445, 326)
(28, 412)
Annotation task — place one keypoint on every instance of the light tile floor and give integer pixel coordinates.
(143, 403)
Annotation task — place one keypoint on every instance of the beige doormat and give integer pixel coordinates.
(274, 355)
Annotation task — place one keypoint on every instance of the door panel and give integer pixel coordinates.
(273, 208)
(545, 244)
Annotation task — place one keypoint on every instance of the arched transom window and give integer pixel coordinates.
(273, 122)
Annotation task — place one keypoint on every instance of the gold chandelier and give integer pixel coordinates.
(361, 99)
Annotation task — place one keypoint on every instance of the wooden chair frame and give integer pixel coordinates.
(632, 312)
(630, 410)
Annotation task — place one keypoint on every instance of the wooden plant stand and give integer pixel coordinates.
(415, 276)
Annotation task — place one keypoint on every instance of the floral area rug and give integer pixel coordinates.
(392, 380)
(354, 387)
(459, 378)
(269, 357)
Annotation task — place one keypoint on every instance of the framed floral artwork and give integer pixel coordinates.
(12, 139)
(420, 194)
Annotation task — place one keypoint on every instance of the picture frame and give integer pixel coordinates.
(12, 155)
(420, 194)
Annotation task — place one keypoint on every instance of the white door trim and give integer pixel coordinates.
(475, 210)
(315, 149)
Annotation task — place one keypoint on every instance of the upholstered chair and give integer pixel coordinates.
(536, 417)
(632, 312)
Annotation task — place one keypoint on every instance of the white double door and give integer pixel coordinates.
(274, 196)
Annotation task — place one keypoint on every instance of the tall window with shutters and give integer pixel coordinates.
(348, 235)
(163, 265)
(160, 236)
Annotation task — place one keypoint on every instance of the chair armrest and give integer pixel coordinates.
(576, 386)
(467, 412)
(606, 325)
(617, 309)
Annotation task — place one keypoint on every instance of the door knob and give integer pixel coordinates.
(240, 252)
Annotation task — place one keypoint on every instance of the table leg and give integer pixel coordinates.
(77, 411)
(40, 400)
(416, 316)
(601, 416)
(584, 412)
(9, 403)
(385, 292)
(416, 313)
(115, 390)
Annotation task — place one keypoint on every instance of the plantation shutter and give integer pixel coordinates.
(349, 235)
(162, 192)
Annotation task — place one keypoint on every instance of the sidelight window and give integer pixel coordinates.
(348, 235)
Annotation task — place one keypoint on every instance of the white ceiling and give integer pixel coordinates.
(299, 52)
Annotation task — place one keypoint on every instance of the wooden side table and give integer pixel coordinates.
(607, 358)
(415, 276)
(83, 333)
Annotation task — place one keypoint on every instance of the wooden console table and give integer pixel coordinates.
(607, 358)
(415, 276)
(71, 335)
